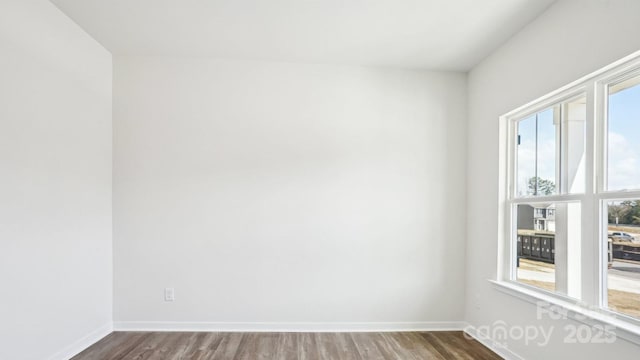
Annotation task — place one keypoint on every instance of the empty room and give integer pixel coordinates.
(319, 179)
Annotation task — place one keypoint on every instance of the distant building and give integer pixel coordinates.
(525, 217)
(536, 218)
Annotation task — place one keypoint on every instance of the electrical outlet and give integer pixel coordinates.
(169, 294)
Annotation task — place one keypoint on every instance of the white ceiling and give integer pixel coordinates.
(427, 34)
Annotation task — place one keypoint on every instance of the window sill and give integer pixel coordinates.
(625, 329)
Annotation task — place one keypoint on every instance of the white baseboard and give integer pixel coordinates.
(83, 343)
(287, 327)
(489, 343)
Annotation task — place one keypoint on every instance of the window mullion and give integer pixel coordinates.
(590, 250)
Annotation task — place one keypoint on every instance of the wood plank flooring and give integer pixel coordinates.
(442, 345)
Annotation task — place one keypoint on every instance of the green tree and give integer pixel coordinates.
(539, 186)
(632, 215)
(620, 212)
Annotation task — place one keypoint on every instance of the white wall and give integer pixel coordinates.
(284, 193)
(570, 40)
(55, 183)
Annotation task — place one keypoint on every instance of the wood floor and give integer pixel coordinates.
(244, 346)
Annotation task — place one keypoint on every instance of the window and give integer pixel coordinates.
(549, 156)
(571, 200)
(623, 273)
(623, 133)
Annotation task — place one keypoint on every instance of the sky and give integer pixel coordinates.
(527, 149)
(623, 138)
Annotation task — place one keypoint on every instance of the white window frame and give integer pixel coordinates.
(593, 266)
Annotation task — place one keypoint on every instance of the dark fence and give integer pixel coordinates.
(541, 247)
(626, 251)
(537, 247)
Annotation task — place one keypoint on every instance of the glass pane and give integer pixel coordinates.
(536, 155)
(535, 262)
(526, 153)
(623, 168)
(623, 270)
(548, 247)
(574, 118)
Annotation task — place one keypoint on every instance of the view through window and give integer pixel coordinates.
(574, 193)
(623, 216)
